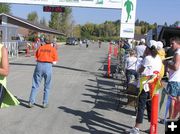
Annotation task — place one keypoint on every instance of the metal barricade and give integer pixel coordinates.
(12, 48)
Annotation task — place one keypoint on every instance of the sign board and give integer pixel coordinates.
(53, 9)
(127, 28)
(114, 4)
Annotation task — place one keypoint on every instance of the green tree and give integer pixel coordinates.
(176, 24)
(33, 17)
(54, 21)
(5, 8)
(77, 31)
(62, 22)
(110, 29)
(67, 23)
(87, 30)
(43, 21)
(137, 22)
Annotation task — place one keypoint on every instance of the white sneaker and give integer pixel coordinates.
(133, 131)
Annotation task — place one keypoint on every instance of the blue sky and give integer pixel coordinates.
(151, 11)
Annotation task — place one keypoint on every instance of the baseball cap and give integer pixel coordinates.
(143, 41)
(152, 43)
(159, 45)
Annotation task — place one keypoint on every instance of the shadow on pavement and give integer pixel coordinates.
(22, 64)
(24, 103)
(56, 66)
(106, 96)
(94, 120)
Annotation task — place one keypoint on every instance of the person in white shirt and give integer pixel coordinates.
(151, 63)
(173, 86)
(140, 48)
(130, 66)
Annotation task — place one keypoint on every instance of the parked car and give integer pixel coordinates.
(71, 41)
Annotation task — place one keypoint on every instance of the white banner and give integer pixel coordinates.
(127, 30)
(128, 19)
(72, 3)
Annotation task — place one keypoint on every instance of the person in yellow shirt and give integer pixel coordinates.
(162, 54)
(46, 55)
(6, 98)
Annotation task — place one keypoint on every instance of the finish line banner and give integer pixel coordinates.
(114, 4)
(128, 19)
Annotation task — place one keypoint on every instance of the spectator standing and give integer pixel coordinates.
(80, 42)
(99, 42)
(87, 43)
(46, 55)
(6, 98)
(162, 54)
(149, 65)
(173, 86)
(141, 48)
(54, 41)
(130, 66)
(42, 39)
(4, 68)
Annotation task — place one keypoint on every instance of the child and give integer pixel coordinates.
(130, 66)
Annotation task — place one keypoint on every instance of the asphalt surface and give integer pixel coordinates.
(81, 100)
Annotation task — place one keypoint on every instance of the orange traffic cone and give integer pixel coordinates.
(109, 65)
(154, 107)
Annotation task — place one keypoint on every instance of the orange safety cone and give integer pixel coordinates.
(109, 60)
(109, 65)
(154, 107)
(154, 114)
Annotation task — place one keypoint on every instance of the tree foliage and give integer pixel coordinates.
(54, 21)
(43, 21)
(5, 8)
(33, 17)
(62, 21)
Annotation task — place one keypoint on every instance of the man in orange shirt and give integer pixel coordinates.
(46, 55)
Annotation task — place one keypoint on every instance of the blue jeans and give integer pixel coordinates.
(42, 70)
(143, 103)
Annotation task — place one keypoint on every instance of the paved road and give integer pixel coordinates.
(81, 100)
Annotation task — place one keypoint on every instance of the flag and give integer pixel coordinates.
(153, 81)
(6, 98)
